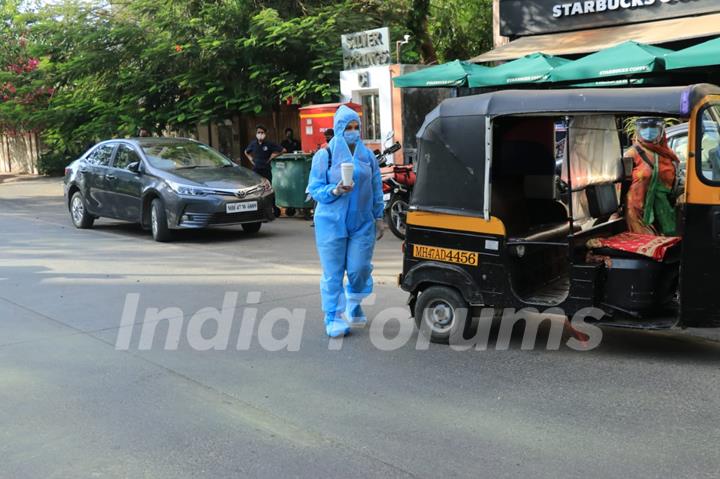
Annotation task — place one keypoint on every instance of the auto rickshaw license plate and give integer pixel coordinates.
(445, 254)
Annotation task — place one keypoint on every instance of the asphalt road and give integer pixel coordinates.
(73, 406)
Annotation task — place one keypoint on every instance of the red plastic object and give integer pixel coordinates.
(404, 175)
(315, 119)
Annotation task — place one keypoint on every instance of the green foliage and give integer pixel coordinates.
(53, 163)
(460, 29)
(79, 71)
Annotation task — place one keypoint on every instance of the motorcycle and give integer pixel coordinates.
(397, 183)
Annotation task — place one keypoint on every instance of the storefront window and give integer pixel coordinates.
(371, 116)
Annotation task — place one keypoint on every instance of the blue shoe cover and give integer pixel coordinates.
(356, 315)
(335, 327)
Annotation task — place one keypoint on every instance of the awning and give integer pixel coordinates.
(533, 68)
(625, 59)
(702, 55)
(588, 41)
(452, 74)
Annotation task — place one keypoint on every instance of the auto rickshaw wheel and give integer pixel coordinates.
(443, 313)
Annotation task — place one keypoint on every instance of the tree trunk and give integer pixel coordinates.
(418, 26)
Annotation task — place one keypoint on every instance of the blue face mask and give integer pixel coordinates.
(351, 136)
(649, 134)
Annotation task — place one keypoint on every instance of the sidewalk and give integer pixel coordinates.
(13, 178)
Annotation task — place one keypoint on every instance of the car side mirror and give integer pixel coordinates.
(134, 167)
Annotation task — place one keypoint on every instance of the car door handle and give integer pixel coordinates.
(111, 177)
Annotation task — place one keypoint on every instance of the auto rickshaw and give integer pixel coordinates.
(500, 219)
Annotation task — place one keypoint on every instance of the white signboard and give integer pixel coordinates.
(366, 49)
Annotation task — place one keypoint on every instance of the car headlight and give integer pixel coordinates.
(266, 185)
(187, 190)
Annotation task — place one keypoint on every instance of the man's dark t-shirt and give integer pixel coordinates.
(290, 145)
(261, 153)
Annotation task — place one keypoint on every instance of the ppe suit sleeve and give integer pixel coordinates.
(378, 203)
(318, 186)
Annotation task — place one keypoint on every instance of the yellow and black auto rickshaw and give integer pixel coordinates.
(501, 217)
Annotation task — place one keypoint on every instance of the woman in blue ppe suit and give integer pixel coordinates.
(348, 221)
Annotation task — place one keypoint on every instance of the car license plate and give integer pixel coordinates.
(241, 207)
(386, 197)
(445, 254)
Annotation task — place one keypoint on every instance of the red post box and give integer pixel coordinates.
(315, 119)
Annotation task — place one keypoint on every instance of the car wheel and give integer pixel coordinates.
(78, 213)
(158, 221)
(443, 313)
(251, 227)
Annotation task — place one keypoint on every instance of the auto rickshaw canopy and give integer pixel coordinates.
(455, 141)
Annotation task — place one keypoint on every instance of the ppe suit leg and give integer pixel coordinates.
(335, 325)
(332, 258)
(359, 271)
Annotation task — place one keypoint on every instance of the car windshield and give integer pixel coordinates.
(175, 156)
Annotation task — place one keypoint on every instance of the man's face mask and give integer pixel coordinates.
(260, 136)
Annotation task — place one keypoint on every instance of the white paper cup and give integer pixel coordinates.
(347, 169)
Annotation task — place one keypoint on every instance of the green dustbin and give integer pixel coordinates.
(291, 173)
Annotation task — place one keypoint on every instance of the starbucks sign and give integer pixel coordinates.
(530, 17)
(600, 6)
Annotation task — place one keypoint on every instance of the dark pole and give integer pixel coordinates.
(569, 173)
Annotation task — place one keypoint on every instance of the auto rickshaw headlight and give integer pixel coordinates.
(519, 251)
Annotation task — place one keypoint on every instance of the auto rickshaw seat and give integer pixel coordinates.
(602, 200)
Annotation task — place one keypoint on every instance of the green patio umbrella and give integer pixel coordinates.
(622, 82)
(701, 55)
(533, 68)
(452, 74)
(628, 58)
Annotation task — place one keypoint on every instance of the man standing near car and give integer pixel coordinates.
(261, 152)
